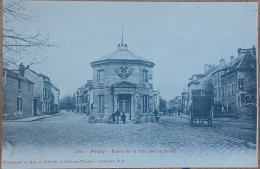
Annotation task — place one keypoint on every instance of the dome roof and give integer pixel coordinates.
(122, 54)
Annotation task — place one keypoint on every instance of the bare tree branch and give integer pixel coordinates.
(16, 42)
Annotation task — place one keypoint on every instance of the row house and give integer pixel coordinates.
(202, 82)
(184, 102)
(235, 86)
(232, 85)
(55, 98)
(42, 91)
(17, 95)
(27, 93)
(84, 102)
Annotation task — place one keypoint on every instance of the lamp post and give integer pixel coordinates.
(77, 101)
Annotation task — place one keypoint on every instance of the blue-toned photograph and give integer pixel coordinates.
(129, 84)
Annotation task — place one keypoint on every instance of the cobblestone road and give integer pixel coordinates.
(71, 129)
(63, 134)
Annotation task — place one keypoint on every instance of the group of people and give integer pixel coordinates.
(115, 116)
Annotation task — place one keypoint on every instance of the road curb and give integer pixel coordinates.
(26, 120)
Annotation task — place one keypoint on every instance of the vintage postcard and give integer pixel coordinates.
(129, 84)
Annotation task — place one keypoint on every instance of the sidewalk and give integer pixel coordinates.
(231, 122)
(223, 119)
(34, 118)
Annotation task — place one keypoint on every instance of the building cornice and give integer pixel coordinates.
(121, 61)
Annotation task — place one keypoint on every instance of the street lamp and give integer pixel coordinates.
(77, 93)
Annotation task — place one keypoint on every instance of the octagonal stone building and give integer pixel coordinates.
(123, 80)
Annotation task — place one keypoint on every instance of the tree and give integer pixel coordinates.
(68, 102)
(162, 104)
(15, 41)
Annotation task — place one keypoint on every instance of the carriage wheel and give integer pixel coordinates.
(191, 122)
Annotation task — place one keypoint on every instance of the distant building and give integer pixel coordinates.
(123, 80)
(17, 95)
(156, 95)
(84, 99)
(176, 104)
(55, 99)
(184, 102)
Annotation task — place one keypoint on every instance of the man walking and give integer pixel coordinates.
(155, 113)
(123, 117)
(117, 113)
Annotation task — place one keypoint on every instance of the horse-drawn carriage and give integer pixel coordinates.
(201, 108)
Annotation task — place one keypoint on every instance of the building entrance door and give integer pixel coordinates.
(35, 106)
(124, 104)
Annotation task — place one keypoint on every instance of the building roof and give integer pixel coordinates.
(241, 63)
(13, 75)
(39, 74)
(122, 54)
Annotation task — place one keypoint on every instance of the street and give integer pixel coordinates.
(71, 131)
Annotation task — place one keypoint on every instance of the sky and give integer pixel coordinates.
(178, 37)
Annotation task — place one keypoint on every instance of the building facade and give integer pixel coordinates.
(239, 85)
(42, 91)
(84, 101)
(232, 85)
(123, 80)
(17, 95)
(184, 102)
(203, 82)
(55, 98)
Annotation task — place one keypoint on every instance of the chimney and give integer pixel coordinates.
(21, 69)
(231, 58)
(222, 61)
(210, 66)
(206, 68)
(239, 52)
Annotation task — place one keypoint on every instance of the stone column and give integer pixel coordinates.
(115, 103)
(132, 107)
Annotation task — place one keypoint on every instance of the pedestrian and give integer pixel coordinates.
(155, 113)
(117, 113)
(113, 117)
(123, 117)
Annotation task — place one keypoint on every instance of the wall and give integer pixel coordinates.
(38, 83)
(249, 84)
(230, 101)
(217, 87)
(10, 94)
(111, 78)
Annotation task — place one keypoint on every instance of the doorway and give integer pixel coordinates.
(35, 106)
(124, 104)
